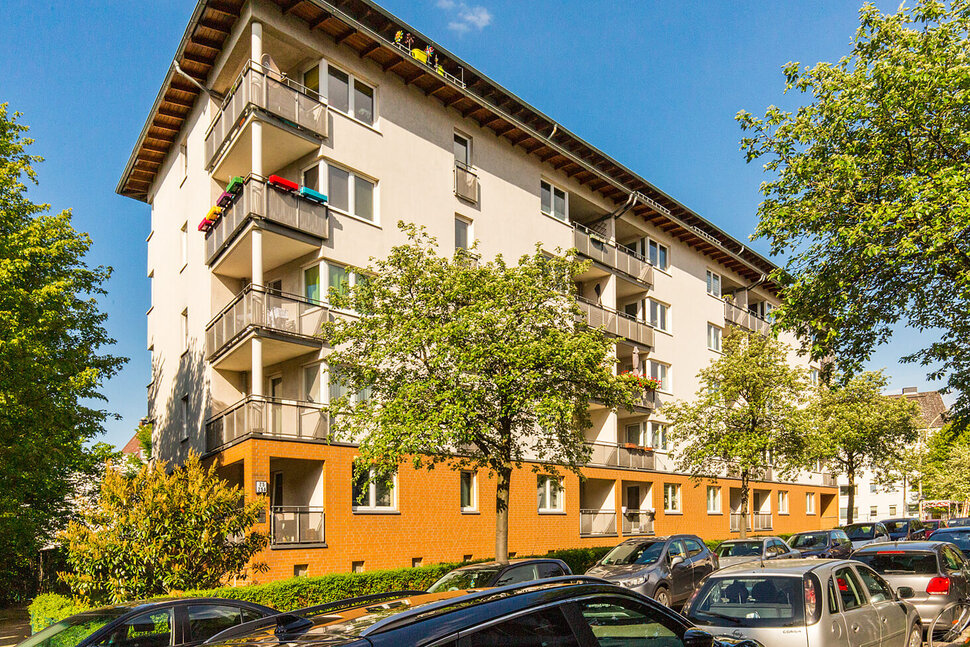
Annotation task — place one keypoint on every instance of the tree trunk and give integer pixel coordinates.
(905, 507)
(743, 525)
(502, 515)
(850, 474)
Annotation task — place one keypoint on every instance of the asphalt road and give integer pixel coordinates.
(14, 626)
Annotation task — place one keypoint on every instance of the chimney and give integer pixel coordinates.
(910, 389)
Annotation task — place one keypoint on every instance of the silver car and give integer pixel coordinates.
(862, 534)
(811, 602)
(756, 550)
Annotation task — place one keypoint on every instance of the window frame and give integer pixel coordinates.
(712, 278)
(545, 483)
(662, 429)
(469, 235)
(323, 185)
(654, 243)
(371, 506)
(670, 499)
(469, 151)
(718, 337)
(716, 499)
(184, 245)
(473, 492)
(668, 388)
(662, 309)
(809, 503)
(553, 187)
(352, 80)
(324, 281)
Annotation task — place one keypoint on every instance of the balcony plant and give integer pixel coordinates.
(648, 384)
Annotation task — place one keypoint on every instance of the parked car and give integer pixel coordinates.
(667, 569)
(755, 550)
(817, 603)
(957, 521)
(558, 612)
(935, 570)
(959, 537)
(905, 529)
(822, 543)
(932, 525)
(488, 574)
(861, 534)
(160, 623)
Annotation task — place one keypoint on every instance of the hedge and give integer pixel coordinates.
(48, 608)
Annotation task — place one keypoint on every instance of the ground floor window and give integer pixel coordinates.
(372, 492)
(550, 494)
(672, 498)
(782, 502)
(469, 499)
(713, 499)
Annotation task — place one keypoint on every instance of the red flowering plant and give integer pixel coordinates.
(644, 382)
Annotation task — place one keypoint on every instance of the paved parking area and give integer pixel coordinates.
(14, 626)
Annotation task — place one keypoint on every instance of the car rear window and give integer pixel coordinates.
(749, 601)
(897, 526)
(898, 562)
(739, 549)
(810, 540)
(959, 537)
(862, 531)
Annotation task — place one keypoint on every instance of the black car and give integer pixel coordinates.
(958, 521)
(832, 544)
(958, 536)
(159, 623)
(571, 611)
(905, 528)
(488, 574)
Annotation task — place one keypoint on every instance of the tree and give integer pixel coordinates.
(869, 191)
(469, 364)
(747, 407)
(154, 532)
(51, 340)
(951, 479)
(858, 428)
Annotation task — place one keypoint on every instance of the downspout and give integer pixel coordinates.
(212, 93)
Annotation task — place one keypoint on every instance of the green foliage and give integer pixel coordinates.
(144, 434)
(152, 532)
(749, 404)
(579, 560)
(51, 336)
(48, 608)
(869, 191)
(479, 365)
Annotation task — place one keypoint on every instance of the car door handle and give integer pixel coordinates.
(855, 628)
(885, 620)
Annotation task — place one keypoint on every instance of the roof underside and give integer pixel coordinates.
(369, 31)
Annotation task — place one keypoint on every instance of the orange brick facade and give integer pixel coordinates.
(428, 524)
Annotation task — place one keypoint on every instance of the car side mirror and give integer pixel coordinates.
(697, 638)
(905, 592)
(676, 560)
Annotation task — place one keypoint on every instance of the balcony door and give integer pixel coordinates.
(276, 406)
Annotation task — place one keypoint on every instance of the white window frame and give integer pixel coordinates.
(184, 325)
(184, 415)
(469, 232)
(183, 162)
(371, 504)
(658, 244)
(473, 507)
(468, 148)
(661, 307)
(323, 264)
(892, 510)
(664, 429)
(666, 375)
(716, 500)
(710, 280)
(552, 191)
(547, 483)
(714, 340)
(809, 503)
(184, 245)
(673, 504)
(782, 501)
(351, 113)
(813, 376)
(323, 185)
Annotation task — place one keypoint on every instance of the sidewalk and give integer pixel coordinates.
(14, 626)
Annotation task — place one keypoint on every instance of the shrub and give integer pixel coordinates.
(49, 608)
(579, 560)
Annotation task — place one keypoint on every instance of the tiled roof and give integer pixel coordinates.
(932, 410)
(133, 446)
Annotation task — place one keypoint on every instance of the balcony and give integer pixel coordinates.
(592, 245)
(295, 525)
(829, 480)
(466, 182)
(621, 455)
(638, 522)
(293, 226)
(296, 122)
(288, 324)
(745, 319)
(597, 523)
(263, 417)
(756, 521)
(616, 323)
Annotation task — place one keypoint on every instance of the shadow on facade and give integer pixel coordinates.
(179, 404)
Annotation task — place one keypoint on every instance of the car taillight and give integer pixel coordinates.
(938, 586)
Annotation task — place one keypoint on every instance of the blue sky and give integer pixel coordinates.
(654, 84)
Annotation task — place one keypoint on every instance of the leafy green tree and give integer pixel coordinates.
(469, 364)
(152, 532)
(749, 405)
(51, 340)
(868, 191)
(856, 427)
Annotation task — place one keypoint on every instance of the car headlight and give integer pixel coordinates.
(632, 581)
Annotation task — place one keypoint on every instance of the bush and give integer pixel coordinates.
(579, 560)
(49, 608)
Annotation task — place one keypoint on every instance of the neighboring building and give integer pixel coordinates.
(327, 98)
(875, 500)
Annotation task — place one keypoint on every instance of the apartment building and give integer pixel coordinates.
(876, 499)
(271, 105)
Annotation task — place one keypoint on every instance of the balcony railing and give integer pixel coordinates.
(270, 92)
(261, 200)
(620, 455)
(638, 522)
(762, 521)
(261, 308)
(617, 323)
(829, 479)
(746, 319)
(297, 525)
(267, 417)
(736, 522)
(466, 182)
(597, 523)
(593, 245)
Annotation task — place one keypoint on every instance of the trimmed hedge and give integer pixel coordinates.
(579, 560)
(48, 608)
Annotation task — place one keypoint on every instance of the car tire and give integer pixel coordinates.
(662, 595)
(915, 638)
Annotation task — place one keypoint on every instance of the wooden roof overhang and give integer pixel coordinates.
(369, 31)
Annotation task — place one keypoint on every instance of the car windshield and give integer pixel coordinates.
(739, 549)
(958, 536)
(810, 540)
(464, 578)
(898, 562)
(897, 527)
(860, 531)
(749, 601)
(71, 631)
(646, 552)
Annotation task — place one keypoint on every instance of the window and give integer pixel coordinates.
(545, 628)
(844, 490)
(549, 569)
(184, 244)
(658, 436)
(813, 376)
(358, 104)
(461, 233)
(336, 388)
(357, 567)
(553, 201)
(206, 620)
(371, 492)
(363, 198)
(550, 494)
(873, 488)
(879, 591)
(311, 81)
(183, 162)
(782, 502)
(713, 499)
(469, 497)
(152, 629)
(809, 503)
(892, 511)
(184, 414)
(672, 497)
(657, 255)
(363, 102)
(634, 434)
(658, 316)
(311, 284)
(849, 589)
(337, 278)
(184, 325)
(713, 337)
(347, 191)
(873, 512)
(463, 150)
(661, 373)
(714, 284)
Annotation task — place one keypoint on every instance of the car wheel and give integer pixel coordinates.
(662, 595)
(915, 637)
